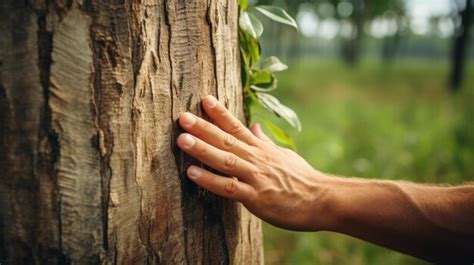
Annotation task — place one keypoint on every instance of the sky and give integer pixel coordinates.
(421, 10)
(426, 8)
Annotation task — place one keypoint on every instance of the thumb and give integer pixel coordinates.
(257, 131)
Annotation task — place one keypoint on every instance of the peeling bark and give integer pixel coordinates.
(89, 96)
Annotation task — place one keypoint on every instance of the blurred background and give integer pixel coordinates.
(384, 89)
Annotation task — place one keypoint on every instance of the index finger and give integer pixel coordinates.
(226, 121)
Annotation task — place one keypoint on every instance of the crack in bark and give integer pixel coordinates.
(138, 54)
(221, 232)
(105, 148)
(213, 48)
(176, 130)
(45, 48)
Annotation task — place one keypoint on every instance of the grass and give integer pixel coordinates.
(395, 121)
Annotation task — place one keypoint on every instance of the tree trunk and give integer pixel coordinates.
(351, 48)
(391, 44)
(89, 96)
(460, 45)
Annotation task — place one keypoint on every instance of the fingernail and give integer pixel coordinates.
(211, 101)
(189, 119)
(188, 140)
(194, 172)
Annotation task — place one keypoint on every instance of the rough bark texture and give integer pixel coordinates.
(89, 96)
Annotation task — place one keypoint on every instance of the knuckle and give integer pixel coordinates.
(251, 154)
(221, 112)
(236, 127)
(229, 141)
(230, 161)
(257, 174)
(266, 158)
(200, 149)
(263, 157)
(222, 109)
(202, 127)
(231, 186)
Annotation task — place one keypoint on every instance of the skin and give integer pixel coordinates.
(433, 223)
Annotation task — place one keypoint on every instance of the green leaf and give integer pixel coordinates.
(263, 81)
(277, 14)
(273, 64)
(243, 4)
(250, 24)
(261, 88)
(274, 105)
(257, 25)
(262, 77)
(279, 134)
(250, 47)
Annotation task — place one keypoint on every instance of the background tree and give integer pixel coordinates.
(395, 12)
(89, 95)
(460, 44)
(365, 11)
(360, 14)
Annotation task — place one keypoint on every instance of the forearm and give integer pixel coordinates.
(433, 223)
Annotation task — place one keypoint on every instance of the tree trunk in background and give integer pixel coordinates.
(391, 45)
(460, 46)
(351, 48)
(89, 96)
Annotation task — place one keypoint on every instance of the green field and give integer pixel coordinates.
(395, 121)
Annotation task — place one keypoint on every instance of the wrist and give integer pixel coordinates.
(334, 201)
(324, 210)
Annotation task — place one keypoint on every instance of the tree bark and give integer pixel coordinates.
(89, 96)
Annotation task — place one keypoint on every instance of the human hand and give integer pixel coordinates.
(272, 182)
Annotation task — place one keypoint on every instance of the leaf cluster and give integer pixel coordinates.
(258, 76)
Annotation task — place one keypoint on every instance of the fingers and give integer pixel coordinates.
(225, 120)
(211, 134)
(257, 131)
(226, 187)
(220, 160)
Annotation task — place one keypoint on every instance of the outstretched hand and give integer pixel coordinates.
(274, 183)
(278, 186)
